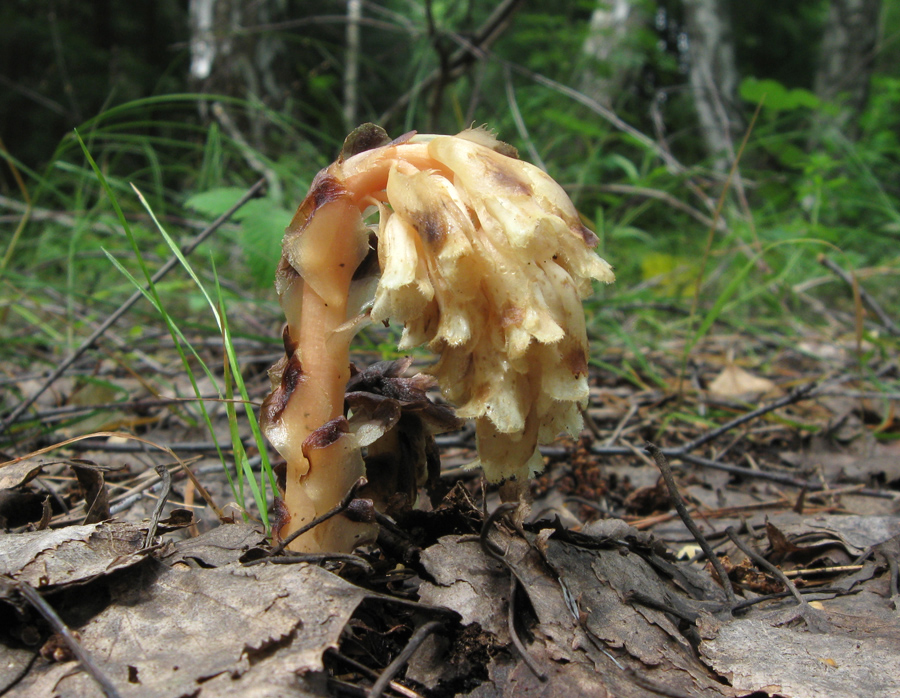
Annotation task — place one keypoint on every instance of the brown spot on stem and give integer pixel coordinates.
(286, 271)
(281, 519)
(324, 189)
(590, 239)
(290, 344)
(285, 275)
(326, 435)
(576, 361)
(432, 228)
(273, 406)
(507, 179)
(293, 375)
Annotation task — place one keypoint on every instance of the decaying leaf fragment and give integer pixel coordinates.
(201, 632)
(71, 555)
(587, 635)
(479, 256)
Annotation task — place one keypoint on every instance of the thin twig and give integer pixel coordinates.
(866, 297)
(816, 571)
(252, 192)
(484, 36)
(781, 478)
(415, 606)
(185, 446)
(520, 121)
(747, 603)
(489, 547)
(511, 622)
(632, 410)
(42, 607)
(813, 618)
(337, 509)
(58, 413)
(650, 602)
(675, 496)
(665, 197)
(494, 551)
(390, 671)
(801, 393)
(351, 63)
(366, 671)
(166, 478)
(314, 558)
(249, 153)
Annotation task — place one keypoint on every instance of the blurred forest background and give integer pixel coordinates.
(716, 147)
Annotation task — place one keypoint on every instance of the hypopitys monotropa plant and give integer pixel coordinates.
(479, 256)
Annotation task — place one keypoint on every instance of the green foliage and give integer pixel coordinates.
(260, 223)
(775, 96)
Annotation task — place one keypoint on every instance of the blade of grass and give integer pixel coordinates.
(266, 468)
(150, 292)
(23, 221)
(178, 338)
(717, 215)
(222, 322)
(735, 283)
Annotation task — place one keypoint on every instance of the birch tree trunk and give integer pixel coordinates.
(227, 60)
(713, 77)
(846, 59)
(351, 66)
(609, 48)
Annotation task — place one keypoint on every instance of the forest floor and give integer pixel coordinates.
(787, 463)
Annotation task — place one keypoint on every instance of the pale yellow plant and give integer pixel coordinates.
(480, 256)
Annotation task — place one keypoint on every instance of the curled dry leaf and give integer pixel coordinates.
(394, 418)
(71, 555)
(479, 256)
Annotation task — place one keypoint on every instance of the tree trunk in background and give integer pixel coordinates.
(227, 60)
(846, 59)
(713, 76)
(609, 43)
(351, 65)
(203, 40)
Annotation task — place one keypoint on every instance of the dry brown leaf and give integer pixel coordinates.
(71, 555)
(588, 639)
(734, 383)
(18, 474)
(170, 633)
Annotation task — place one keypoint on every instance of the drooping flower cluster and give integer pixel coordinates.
(484, 259)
